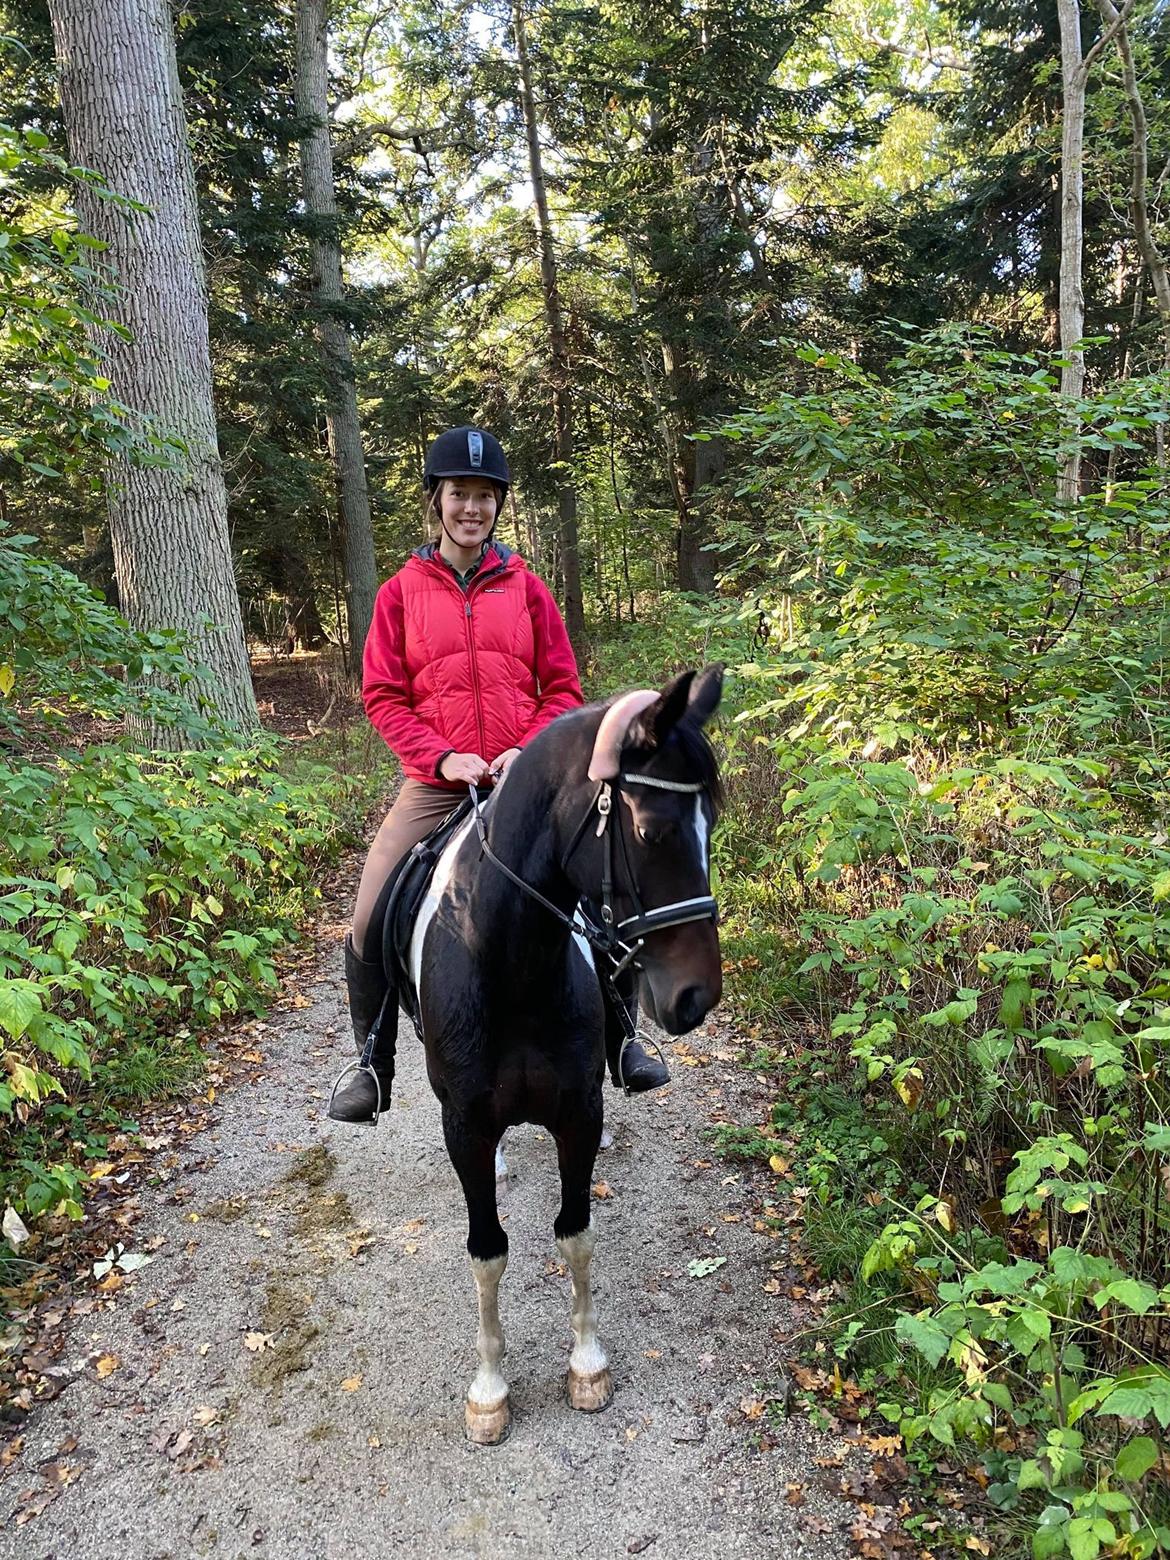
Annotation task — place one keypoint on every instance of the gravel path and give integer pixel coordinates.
(287, 1375)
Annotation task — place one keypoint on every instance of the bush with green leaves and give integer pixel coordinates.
(963, 875)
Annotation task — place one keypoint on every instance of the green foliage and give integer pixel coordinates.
(142, 896)
(139, 895)
(962, 706)
(57, 418)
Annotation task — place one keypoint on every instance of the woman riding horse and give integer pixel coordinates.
(466, 661)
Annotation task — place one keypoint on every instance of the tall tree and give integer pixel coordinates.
(562, 390)
(124, 116)
(345, 434)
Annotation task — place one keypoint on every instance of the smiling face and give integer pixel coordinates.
(468, 507)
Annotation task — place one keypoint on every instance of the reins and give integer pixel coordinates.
(619, 942)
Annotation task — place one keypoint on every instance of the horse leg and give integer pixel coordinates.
(589, 1382)
(487, 1413)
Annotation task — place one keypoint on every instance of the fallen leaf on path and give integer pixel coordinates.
(602, 1190)
(180, 1444)
(107, 1364)
(637, 1545)
(33, 1502)
(205, 1414)
(702, 1266)
(11, 1452)
(258, 1341)
(69, 1444)
(203, 1349)
(351, 1384)
(653, 1354)
(411, 1227)
(373, 1441)
(814, 1524)
(751, 1407)
(411, 1247)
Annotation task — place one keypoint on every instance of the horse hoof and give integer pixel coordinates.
(488, 1426)
(591, 1393)
(606, 1138)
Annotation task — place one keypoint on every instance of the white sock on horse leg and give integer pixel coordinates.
(501, 1162)
(489, 1387)
(588, 1357)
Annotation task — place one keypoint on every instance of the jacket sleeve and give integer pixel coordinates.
(386, 687)
(556, 665)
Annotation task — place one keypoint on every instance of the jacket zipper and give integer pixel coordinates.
(479, 725)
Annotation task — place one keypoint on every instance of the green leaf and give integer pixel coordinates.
(1136, 1458)
(923, 1333)
(20, 1002)
(702, 1266)
(1129, 1292)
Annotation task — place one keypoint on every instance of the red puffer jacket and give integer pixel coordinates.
(468, 673)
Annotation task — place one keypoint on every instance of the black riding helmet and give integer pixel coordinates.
(466, 452)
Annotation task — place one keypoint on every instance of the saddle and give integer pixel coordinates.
(397, 906)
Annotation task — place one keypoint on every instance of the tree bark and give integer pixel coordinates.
(124, 116)
(558, 346)
(345, 435)
(1154, 259)
(1072, 297)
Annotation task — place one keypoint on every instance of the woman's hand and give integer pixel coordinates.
(500, 766)
(467, 767)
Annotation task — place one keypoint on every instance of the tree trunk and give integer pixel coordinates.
(124, 115)
(1072, 297)
(345, 434)
(1155, 260)
(558, 347)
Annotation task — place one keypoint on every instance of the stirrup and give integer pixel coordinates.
(359, 1067)
(645, 1039)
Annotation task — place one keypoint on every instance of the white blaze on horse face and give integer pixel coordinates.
(702, 833)
(489, 1389)
(426, 911)
(588, 1357)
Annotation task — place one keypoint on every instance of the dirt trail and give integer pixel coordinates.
(290, 1368)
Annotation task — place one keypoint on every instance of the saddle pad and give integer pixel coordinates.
(397, 905)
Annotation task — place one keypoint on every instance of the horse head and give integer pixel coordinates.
(652, 750)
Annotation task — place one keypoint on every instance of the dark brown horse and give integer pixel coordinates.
(590, 861)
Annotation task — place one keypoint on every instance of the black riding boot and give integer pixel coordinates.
(635, 1069)
(369, 992)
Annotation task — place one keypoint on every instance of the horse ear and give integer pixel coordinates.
(706, 691)
(654, 726)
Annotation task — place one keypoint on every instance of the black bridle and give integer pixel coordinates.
(619, 942)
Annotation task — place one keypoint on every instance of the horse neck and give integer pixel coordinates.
(527, 829)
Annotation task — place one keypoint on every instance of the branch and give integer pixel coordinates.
(948, 60)
(1117, 22)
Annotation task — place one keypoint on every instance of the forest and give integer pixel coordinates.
(829, 339)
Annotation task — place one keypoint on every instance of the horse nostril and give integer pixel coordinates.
(692, 1006)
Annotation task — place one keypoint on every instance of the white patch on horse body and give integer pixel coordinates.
(588, 1357)
(442, 876)
(489, 1389)
(701, 832)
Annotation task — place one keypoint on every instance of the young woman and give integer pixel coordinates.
(467, 659)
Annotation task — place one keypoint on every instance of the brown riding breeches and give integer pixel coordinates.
(416, 810)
